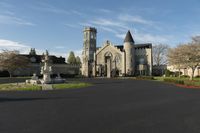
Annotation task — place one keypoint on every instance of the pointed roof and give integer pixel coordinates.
(129, 37)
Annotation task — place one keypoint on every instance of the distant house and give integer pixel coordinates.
(185, 71)
(58, 65)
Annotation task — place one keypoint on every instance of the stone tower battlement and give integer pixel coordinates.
(89, 49)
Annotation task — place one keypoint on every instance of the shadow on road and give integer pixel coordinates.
(19, 99)
(31, 99)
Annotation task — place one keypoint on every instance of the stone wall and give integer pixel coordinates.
(146, 55)
(185, 71)
(57, 68)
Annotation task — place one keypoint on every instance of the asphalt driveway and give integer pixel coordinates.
(110, 106)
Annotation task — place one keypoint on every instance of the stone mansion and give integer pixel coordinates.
(110, 60)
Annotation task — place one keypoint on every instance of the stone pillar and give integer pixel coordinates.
(94, 69)
(108, 67)
(123, 63)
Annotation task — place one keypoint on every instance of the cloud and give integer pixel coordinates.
(134, 19)
(147, 38)
(77, 13)
(6, 19)
(122, 36)
(86, 24)
(144, 38)
(50, 8)
(25, 49)
(108, 29)
(104, 10)
(108, 23)
(71, 25)
(5, 4)
(59, 47)
(11, 45)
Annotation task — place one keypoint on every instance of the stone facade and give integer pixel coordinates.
(111, 60)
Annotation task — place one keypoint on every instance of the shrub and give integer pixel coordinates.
(196, 76)
(184, 76)
(168, 73)
(172, 80)
(4, 74)
(145, 77)
(176, 73)
(192, 83)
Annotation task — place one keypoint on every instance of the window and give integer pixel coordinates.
(91, 36)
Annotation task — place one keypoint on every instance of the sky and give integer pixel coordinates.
(57, 25)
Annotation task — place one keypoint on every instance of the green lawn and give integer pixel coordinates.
(71, 85)
(28, 87)
(19, 87)
(181, 78)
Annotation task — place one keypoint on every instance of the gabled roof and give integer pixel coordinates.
(129, 37)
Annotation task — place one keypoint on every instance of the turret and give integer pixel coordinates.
(129, 54)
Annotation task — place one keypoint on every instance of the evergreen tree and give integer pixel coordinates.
(78, 60)
(71, 59)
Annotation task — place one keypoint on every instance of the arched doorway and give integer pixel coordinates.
(108, 63)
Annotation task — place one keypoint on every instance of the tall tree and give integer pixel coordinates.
(174, 58)
(78, 60)
(187, 55)
(10, 61)
(160, 54)
(71, 59)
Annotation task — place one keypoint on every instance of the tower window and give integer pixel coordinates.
(92, 36)
(86, 34)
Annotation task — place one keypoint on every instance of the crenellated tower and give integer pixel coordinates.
(89, 49)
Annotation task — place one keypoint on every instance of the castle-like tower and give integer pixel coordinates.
(129, 54)
(89, 49)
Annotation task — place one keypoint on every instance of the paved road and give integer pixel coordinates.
(111, 106)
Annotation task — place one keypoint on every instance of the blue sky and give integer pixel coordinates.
(57, 25)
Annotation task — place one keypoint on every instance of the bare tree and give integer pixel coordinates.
(187, 55)
(10, 61)
(160, 54)
(174, 56)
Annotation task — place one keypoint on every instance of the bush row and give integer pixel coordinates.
(145, 77)
(182, 82)
(176, 81)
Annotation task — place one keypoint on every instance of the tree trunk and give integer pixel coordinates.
(179, 73)
(192, 75)
(10, 74)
